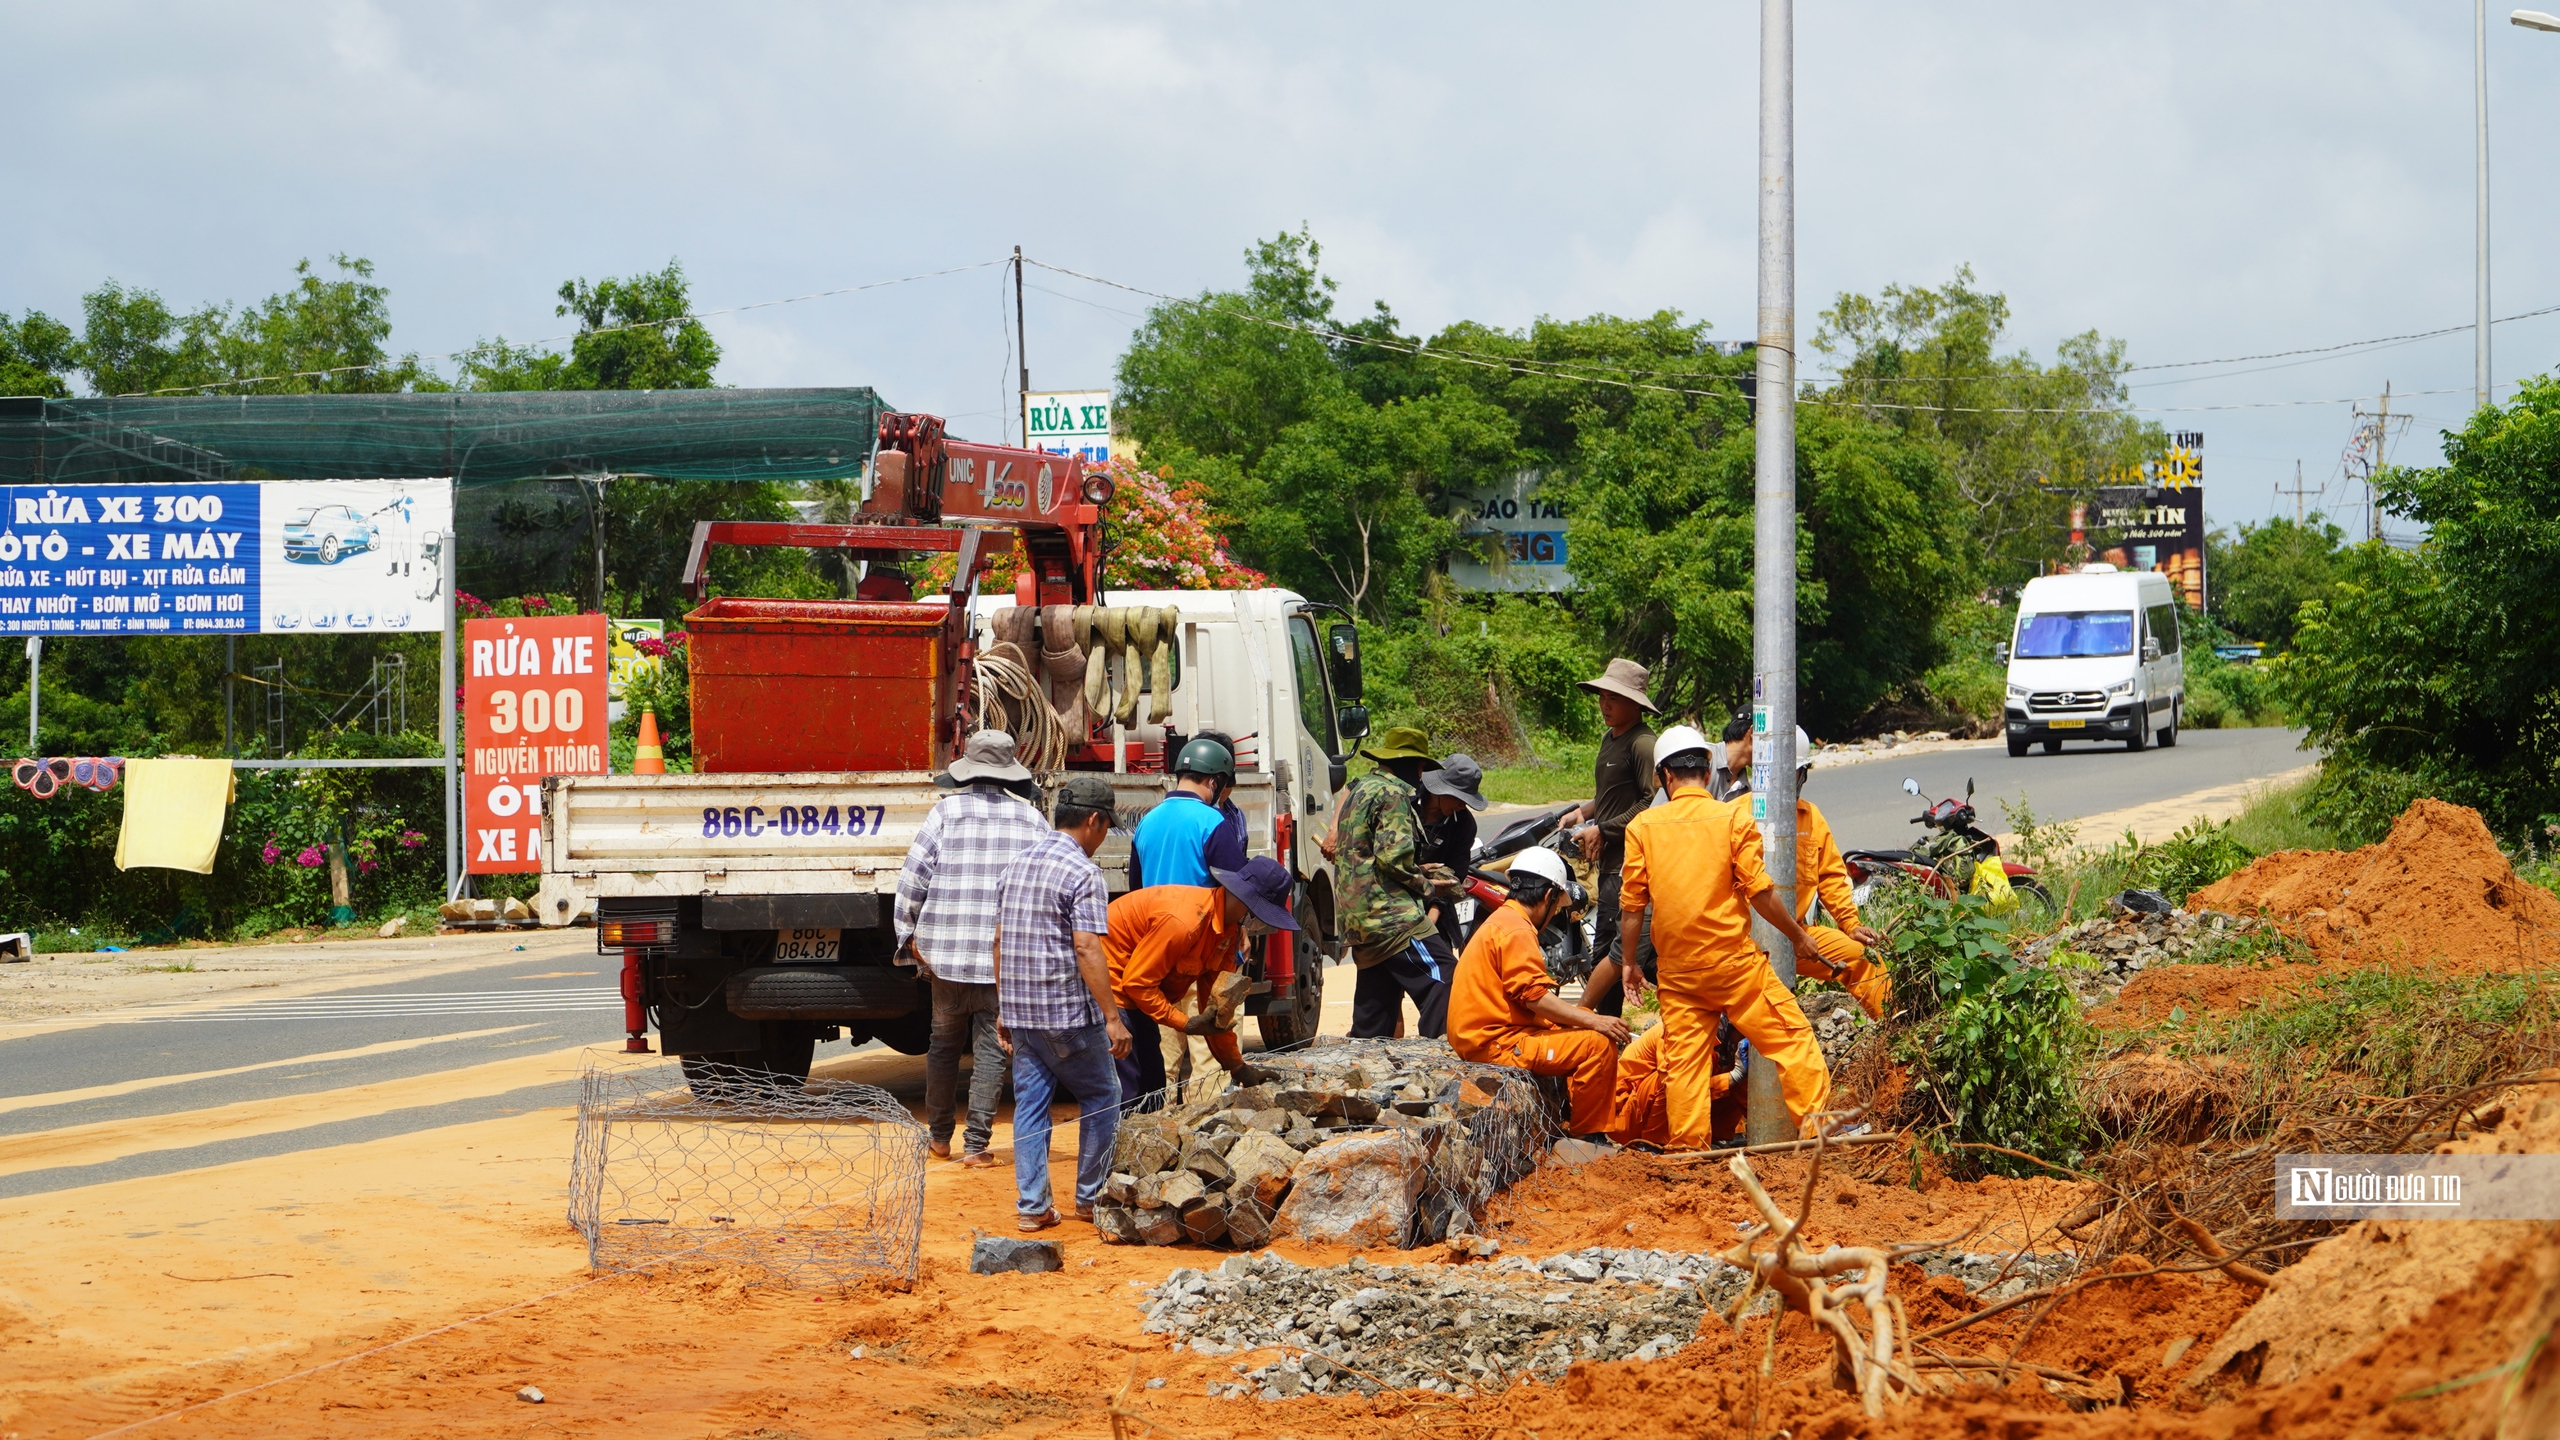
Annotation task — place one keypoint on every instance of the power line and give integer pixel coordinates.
(1466, 357)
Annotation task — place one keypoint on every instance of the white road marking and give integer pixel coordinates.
(379, 1006)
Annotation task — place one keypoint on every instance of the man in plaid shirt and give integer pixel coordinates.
(946, 925)
(1053, 986)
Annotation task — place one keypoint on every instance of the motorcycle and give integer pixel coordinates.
(1946, 860)
(1567, 941)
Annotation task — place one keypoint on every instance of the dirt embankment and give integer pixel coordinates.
(2435, 894)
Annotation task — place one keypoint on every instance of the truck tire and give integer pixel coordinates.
(1294, 1019)
(2141, 735)
(824, 992)
(2017, 747)
(2169, 732)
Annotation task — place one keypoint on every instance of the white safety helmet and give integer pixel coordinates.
(1678, 741)
(1546, 864)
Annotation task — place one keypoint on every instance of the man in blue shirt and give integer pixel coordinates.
(1182, 840)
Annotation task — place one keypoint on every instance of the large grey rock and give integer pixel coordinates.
(1248, 1222)
(1205, 1219)
(1118, 1225)
(1206, 1163)
(1261, 1165)
(1359, 1190)
(1160, 1227)
(996, 1254)
(1180, 1188)
(1121, 1188)
(1145, 1149)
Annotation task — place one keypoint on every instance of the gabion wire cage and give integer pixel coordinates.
(821, 1185)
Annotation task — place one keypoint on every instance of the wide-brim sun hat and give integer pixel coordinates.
(1624, 677)
(1399, 742)
(988, 755)
(1458, 777)
(1264, 887)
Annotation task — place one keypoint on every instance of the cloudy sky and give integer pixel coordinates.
(2203, 180)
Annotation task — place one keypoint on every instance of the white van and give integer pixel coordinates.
(2095, 657)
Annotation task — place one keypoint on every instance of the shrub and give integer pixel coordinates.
(1993, 1045)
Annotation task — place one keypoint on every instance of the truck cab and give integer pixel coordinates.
(2095, 656)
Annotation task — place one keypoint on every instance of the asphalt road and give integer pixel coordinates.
(1867, 808)
(231, 1049)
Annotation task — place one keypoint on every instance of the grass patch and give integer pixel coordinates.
(2082, 877)
(1561, 772)
(183, 967)
(2391, 1032)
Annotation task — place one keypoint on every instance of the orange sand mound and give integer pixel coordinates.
(2435, 892)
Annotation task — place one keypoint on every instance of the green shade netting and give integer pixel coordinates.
(475, 437)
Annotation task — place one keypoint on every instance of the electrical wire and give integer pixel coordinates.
(487, 346)
(1463, 357)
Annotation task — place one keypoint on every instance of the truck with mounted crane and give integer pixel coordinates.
(750, 901)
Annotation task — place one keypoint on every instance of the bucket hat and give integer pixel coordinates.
(1627, 678)
(1263, 885)
(1398, 742)
(988, 755)
(1459, 776)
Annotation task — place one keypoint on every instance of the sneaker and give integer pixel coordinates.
(1033, 1224)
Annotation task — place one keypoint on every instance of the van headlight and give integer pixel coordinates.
(2017, 692)
(2120, 691)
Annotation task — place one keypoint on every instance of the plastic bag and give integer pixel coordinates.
(1991, 881)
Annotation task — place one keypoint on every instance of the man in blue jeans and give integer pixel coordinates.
(1054, 1005)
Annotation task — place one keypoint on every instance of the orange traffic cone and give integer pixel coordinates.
(648, 757)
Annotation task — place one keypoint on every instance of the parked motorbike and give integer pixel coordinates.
(1567, 941)
(1945, 859)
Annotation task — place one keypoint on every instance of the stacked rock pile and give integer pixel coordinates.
(2127, 942)
(1838, 1024)
(1367, 1143)
(1363, 1328)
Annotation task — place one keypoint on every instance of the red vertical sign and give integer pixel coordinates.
(533, 701)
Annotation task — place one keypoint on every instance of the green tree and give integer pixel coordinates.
(318, 336)
(2023, 439)
(1661, 538)
(36, 351)
(2261, 580)
(2430, 672)
(1353, 504)
(1223, 376)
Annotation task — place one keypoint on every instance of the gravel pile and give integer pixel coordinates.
(1363, 1328)
(2128, 942)
(1838, 1024)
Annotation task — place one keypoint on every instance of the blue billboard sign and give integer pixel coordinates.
(238, 558)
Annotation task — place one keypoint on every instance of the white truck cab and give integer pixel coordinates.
(2095, 656)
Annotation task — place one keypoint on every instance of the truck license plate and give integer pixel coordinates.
(2065, 724)
(807, 947)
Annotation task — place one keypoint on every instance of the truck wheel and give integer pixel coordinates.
(1296, 1024)
(2141, 735)
(2017, 747)
(2169, 732)
(825, 992)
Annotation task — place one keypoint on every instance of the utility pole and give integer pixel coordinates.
(1021, 350)
(2480, 110)
(2297, 492)
(35, 677)
(2381, 438)
(1773, 570)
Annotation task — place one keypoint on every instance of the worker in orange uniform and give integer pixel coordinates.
(1643, 1115)
(1694, 864)
(1167, 941)
(1839, 950)
(1503, 1010)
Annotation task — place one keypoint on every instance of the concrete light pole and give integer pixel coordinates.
(2480, 192)
(1773, 571)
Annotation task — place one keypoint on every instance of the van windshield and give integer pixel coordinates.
(2072, 634)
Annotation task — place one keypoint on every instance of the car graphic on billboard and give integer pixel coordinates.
(326, 533)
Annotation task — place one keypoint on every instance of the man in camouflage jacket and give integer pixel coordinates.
(1382, 890)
